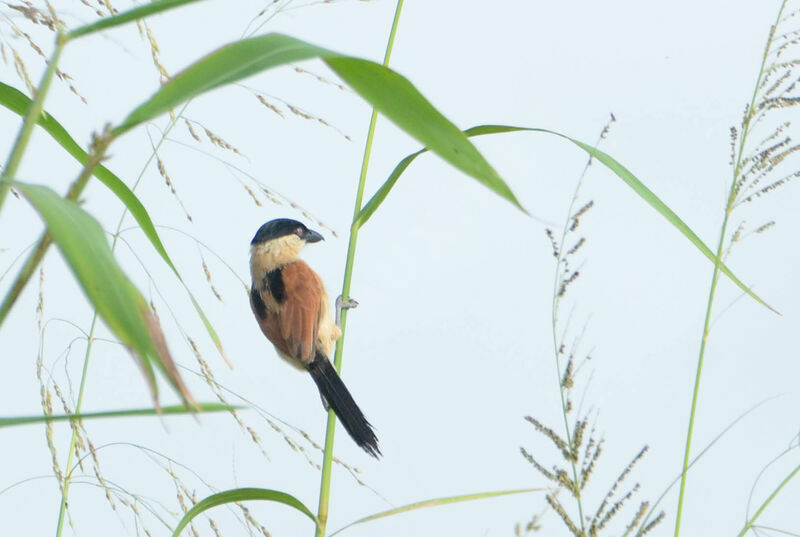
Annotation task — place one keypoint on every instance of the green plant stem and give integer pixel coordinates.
(771, 497)
(715, 275)
(327, 459)
(68, 476)
(557, 347)
(34, 111)
(696, 391)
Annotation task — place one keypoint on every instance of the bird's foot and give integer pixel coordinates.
(342, 304)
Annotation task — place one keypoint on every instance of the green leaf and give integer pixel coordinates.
(621, 171)
(167, 410)
(83, 244)
(655, 202)
(434, 503)
(390, 93)
(156, 6)
(241, 495)
(380, 195)
(18, 102)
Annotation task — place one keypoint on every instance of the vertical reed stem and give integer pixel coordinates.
(327, 460)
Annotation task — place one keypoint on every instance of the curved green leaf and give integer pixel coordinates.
(83, 244)
(167, 410)
(621, 171)
(156, 6)
(375, 201)
(241, 495)
(390, 93)
(18, 102)
(434, 503)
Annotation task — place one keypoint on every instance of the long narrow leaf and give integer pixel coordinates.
(167, 410)
(156, 6)
(434, 503)
(83, 244)
(621, 171)
(18, 102)
(390, 93)
(241, 495)
(375, 201)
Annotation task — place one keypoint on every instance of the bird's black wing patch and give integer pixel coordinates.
(276, 287)
(258, 304)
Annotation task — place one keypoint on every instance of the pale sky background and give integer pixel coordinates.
(452, 345)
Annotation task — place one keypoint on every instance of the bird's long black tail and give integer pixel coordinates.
(338, 397)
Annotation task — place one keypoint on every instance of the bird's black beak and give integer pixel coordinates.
(312, 236)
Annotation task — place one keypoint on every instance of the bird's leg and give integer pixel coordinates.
(342, 304)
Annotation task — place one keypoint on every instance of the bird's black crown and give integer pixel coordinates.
(281, 227)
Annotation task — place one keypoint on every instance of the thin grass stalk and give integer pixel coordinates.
(556, 348)
(749, 525)
(68, 476)
(327, 459)
(696, 391)
(35, 109)
(746, 124)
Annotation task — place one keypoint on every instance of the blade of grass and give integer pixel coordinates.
(83, 245)
(18, 102)
(775, 530)
(388, 92)
(66, 483)
(435, 503)
(241, 495)
(621, 171)
(769, 499)
(380, 195)
(717, 438)
(156, 6)
(163, 411)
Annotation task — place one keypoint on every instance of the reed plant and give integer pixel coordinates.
(135, 322)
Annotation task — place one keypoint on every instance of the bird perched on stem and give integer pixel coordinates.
(293, 310)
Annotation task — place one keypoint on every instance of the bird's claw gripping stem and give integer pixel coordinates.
(342, 304)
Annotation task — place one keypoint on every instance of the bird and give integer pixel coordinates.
(292, 308)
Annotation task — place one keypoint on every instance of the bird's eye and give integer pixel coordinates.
(299, 232)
